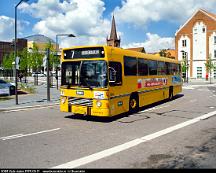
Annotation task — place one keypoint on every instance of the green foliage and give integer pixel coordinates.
(24, 61)
(54, 60)
(163, 53)
(209, 66)
(7, 61)
(35, 58)
(184, 65)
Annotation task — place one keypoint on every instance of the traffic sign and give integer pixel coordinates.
(44, 61)
(17, 62)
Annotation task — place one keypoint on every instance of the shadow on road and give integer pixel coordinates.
(123, 115)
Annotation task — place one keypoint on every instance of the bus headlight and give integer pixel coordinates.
(99, 104)
(63, 99)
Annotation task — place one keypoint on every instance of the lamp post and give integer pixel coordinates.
(186, 59)
(58, 35)
(15, 48)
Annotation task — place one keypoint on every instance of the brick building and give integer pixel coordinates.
(196, 41)
(7, 47)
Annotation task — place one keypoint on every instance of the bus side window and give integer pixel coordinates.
(152, 67)
(167, 64)
(115, 73)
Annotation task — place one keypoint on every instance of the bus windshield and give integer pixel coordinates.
(85, 74)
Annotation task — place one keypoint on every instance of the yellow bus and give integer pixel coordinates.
(107, 81)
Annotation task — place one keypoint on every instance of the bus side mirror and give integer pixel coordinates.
(112, 75)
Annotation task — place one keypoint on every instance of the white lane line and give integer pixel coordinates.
(24, 135)
(188, 87)
(135, 142)
(10, 136)
(154, 108)
(28, 109)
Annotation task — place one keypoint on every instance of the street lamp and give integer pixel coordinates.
(58, 35)
(186, 58)
(15, 48)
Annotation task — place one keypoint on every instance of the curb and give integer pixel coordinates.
(25, 107)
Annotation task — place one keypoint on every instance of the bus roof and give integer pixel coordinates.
(116, 50)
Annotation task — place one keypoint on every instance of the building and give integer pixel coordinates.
(195, 41)
(8, 47)
(113, 39)
(138, 49)
(41, 42)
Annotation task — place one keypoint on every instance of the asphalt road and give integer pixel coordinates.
(47, 138)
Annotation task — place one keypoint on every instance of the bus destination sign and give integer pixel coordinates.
(97, 52)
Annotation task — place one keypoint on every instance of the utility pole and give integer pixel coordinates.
(48, 74)
(15, 50)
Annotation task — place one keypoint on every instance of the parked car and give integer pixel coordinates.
(5, 84)
(38, 74)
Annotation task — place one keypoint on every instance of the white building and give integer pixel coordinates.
(196, 40)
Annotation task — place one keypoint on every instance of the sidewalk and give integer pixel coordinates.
(32, 100)
(200, 82)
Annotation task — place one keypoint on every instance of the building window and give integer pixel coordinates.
(203, 30)
(184, 54)
(184, 43)
(214, 39)
(199, 72)
(214, 53)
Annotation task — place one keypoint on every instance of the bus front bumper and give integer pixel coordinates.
(85, 110)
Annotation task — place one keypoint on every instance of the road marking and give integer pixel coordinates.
(154, 108)
(133, 143)
(188, 87)
(30, 108)
(24, 135)
(3, 138)
(212, 107)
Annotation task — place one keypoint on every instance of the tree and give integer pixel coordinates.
(184, 67)
(54, 59)
(163, 53)
(7, 61)
(209, 66)
(35, 58)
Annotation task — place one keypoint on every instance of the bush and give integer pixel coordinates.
(27, 88)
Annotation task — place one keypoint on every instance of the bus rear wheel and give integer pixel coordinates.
(134, 104)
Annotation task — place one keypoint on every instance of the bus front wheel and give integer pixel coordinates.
(134, 104)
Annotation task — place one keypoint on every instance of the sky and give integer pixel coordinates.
(140, 23)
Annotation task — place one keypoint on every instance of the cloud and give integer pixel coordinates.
(154, 43)
(7, 25)
(7, 28)
(141, 12)
(83, 18)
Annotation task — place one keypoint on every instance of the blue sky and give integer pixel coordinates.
(148, 23)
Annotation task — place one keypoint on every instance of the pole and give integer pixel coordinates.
(56, 65)
(15, 53)
(187, 65)
(48, 77)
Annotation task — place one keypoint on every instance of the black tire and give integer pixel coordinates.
(134, 103)
(171, 93)
(12, 90)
